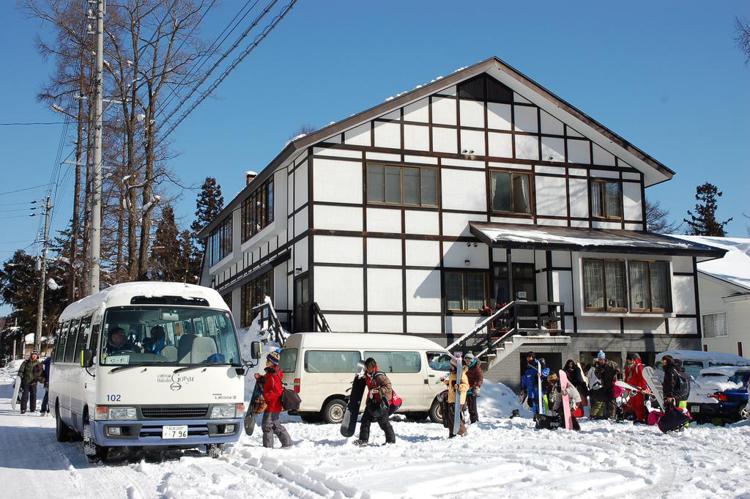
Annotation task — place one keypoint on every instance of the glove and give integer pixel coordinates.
(476, 391)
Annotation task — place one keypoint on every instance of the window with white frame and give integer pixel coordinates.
(714, 325)
(626, 285)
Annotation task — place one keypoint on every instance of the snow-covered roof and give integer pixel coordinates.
(581, 239)
(120, 295)
(734, 266)
(361, 341)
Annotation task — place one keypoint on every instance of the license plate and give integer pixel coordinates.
(172, 432)
(695, 408)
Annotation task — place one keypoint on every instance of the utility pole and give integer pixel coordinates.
(43, 284)
(96, 195)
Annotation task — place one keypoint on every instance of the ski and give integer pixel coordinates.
(359, 383)
(540, 392)
(564, 383)
(16, 390)
(457, 407)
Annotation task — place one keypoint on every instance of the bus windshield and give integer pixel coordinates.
(168, 336)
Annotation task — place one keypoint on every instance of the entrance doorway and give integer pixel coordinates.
(302, 304)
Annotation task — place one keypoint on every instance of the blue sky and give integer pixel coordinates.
(665, 75)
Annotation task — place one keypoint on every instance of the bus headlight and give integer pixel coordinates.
(115, 413)
(223, 411)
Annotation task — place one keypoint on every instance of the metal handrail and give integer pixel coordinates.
(496, 342)
(478, 327)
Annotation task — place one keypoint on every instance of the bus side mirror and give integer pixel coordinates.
(87, 357)
(255, 350)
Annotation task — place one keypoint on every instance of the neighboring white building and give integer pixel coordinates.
(481, 186)
(724, 288)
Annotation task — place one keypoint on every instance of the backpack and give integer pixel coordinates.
(682, 385)
(290, 400)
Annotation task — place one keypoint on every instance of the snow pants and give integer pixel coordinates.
(471, 404)
(383, 422)
(28, 397)
(271, 427)
(449, 414)
(637, 406)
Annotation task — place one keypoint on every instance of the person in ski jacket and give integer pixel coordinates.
(602, 377)
(45, 400)
(156, 342)
(672, 379)
(31, 373)
(575, 375)
(463, 389)
(476, 378)
(634, 377)
(555, 399)
(272, 389)
(378, 405)
(529, 383)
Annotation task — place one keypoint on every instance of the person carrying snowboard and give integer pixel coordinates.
(575, 376)
(476, 378)
(602, 377)
(378, 405)
(634, 377)
(463, 388)
(554, 418)
(31, 372)
(272, 389)
(529, 385)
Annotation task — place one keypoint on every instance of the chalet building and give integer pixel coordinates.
(481, 211)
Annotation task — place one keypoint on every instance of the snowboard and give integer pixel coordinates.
(250, 414)
(654, 385)
(457, 406)
(16, 390)
(627, 386)
(540, 392)
(359, 383)
(564, 383)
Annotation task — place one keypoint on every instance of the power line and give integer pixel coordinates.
(221, 59)
(258, 39)
(24, 189)
(32, 123)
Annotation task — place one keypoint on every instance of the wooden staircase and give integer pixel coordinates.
(516, 324)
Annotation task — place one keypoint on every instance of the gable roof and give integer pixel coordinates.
(654, 171)
(734, 267)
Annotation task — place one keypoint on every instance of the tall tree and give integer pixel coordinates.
(657, 219)
(166, 257)
(703, 222)
(743, 38)
(207, 207)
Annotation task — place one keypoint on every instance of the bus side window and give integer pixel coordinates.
(58, 340)
(70, 345)
(60, 356)
(94, 341)
(83, 335)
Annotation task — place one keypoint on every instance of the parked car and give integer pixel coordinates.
(321, 368)
(695, 360)
(720, 394)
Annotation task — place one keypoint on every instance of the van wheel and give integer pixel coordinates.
(416, 416)
(62, 432)
(91, 450)
(744, 412)
(333, 411)
(215, 450)
(436, 412)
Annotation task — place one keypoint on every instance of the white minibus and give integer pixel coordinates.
(148, 364)
(321, 367)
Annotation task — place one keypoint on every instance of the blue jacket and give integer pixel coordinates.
(529, 382)
(46, 363)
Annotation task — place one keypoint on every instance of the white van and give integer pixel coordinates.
(148, 364)
(321, 367)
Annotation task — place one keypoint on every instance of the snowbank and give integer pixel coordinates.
(498, 401)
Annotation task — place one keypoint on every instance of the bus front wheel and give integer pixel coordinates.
(91, 450)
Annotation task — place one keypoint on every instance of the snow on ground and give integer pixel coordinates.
(499, 457)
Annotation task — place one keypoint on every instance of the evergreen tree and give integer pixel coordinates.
(207, 207)
(166, 253)
(703, 222)
(190, 264)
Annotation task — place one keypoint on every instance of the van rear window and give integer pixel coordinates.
(397, 362)
(330, 361)
(288, 361)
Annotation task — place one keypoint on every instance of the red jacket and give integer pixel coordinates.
(634, 375)
(272, 389)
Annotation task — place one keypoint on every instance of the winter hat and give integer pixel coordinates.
(633, 356)
(601, 355)
(273, 358)
(469, 358)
